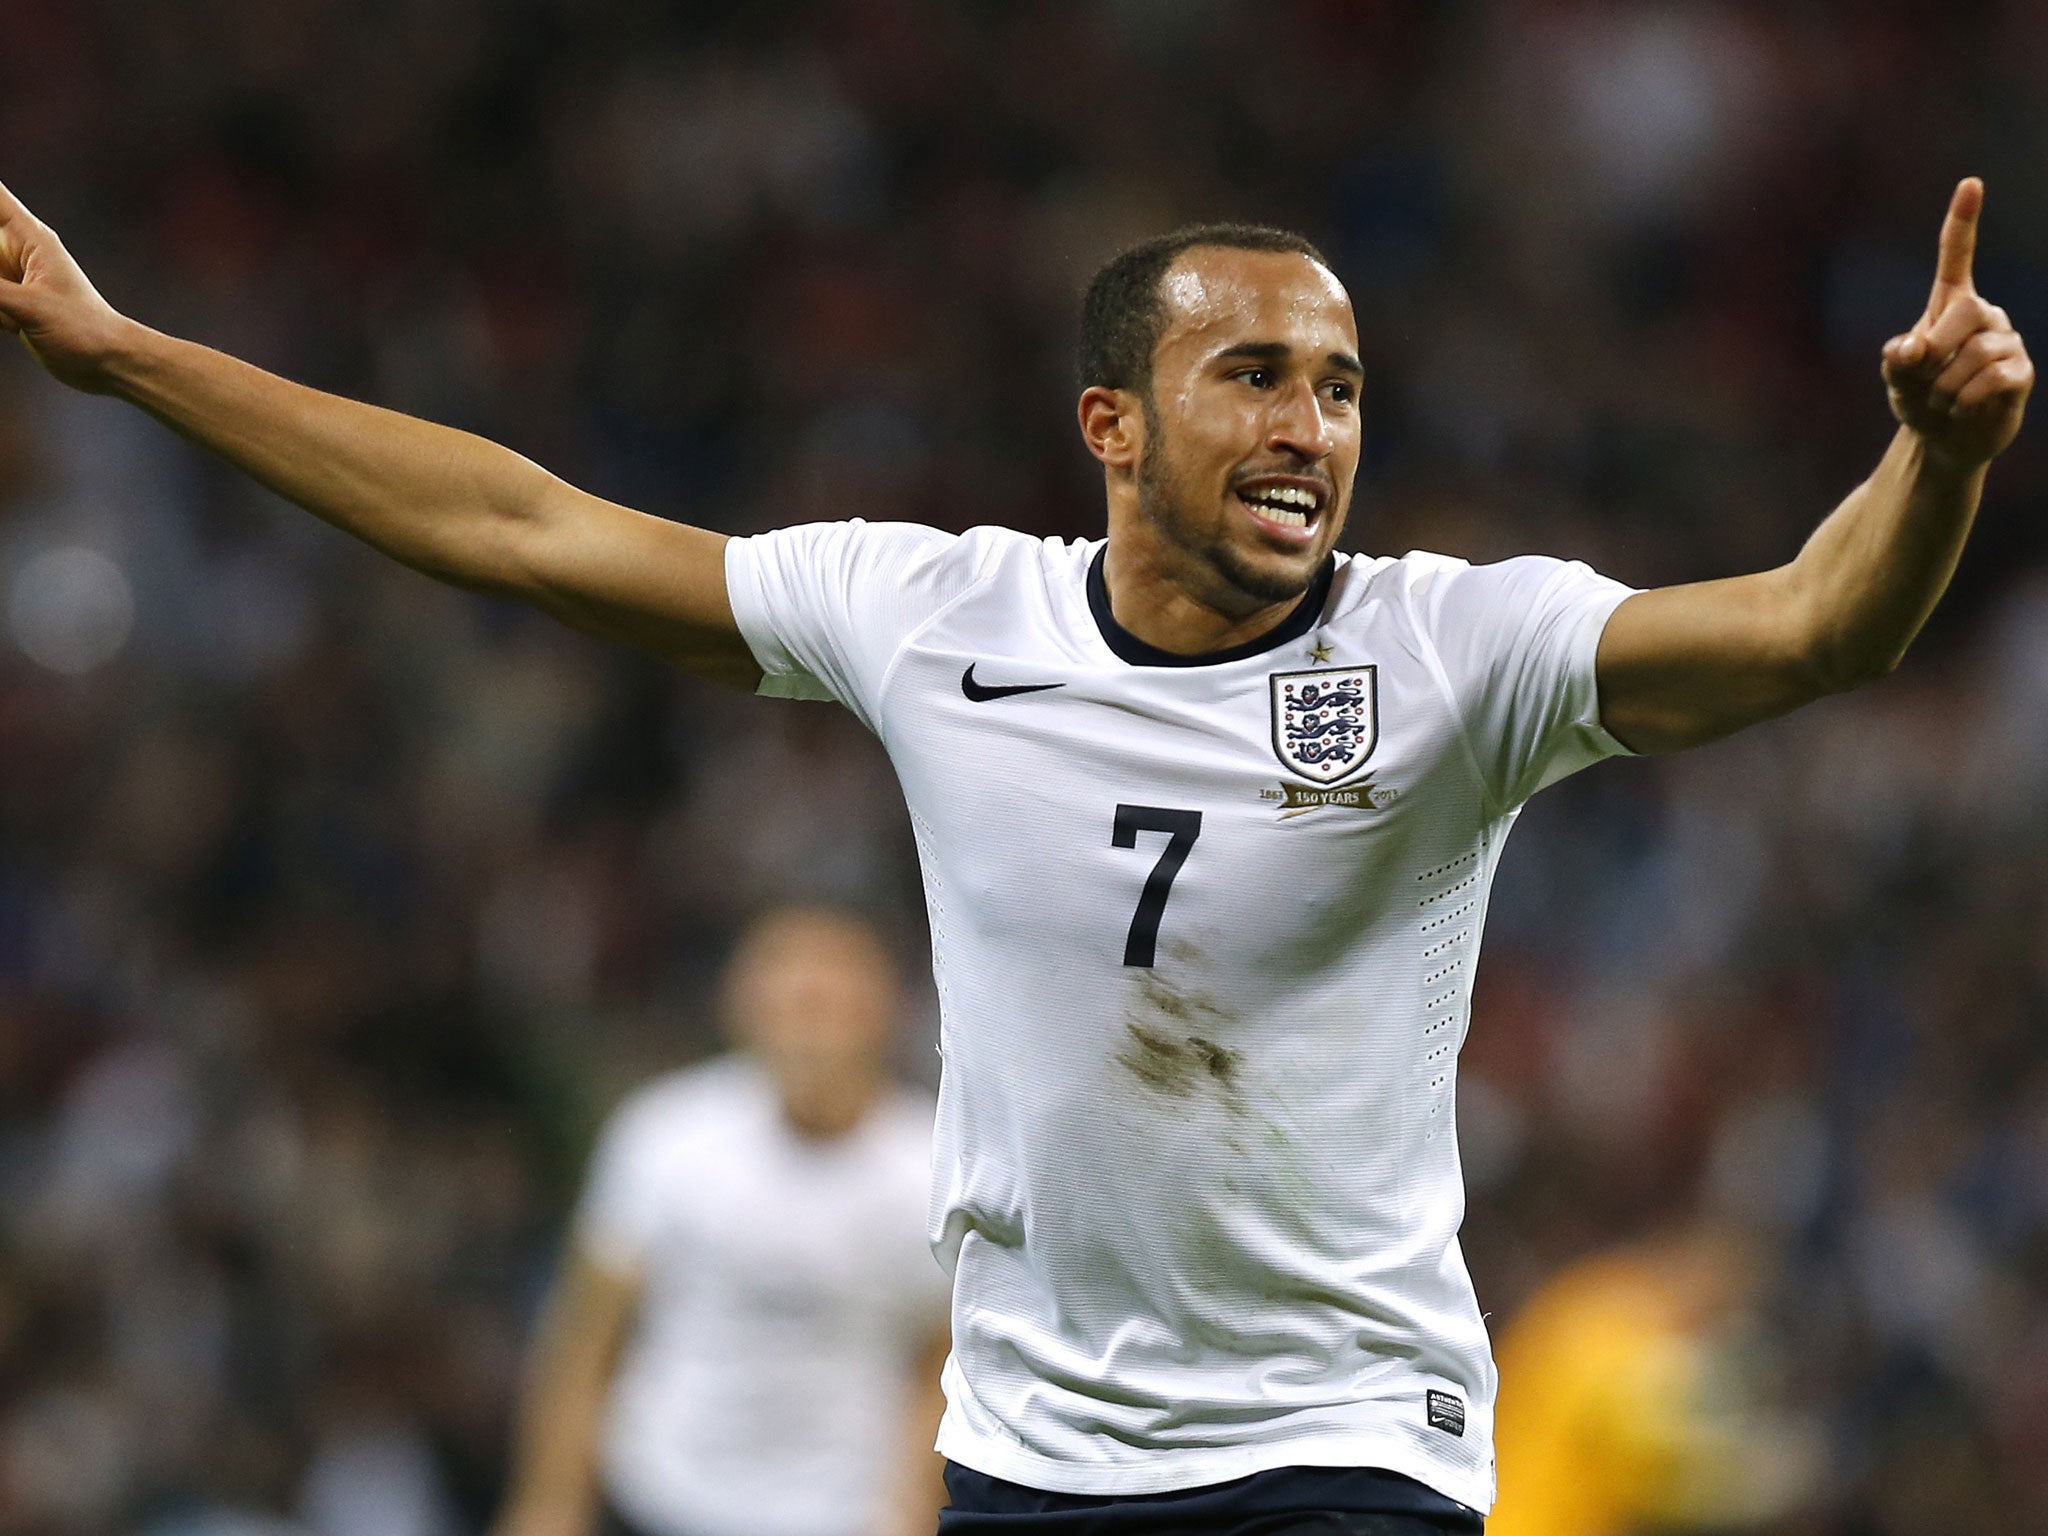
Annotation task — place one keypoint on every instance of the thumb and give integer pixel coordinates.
(1905, 351)
(17, 231)
(20, 306)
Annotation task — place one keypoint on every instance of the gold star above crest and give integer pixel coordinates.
(1320, 651)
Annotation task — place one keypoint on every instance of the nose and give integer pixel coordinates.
(1300, 426)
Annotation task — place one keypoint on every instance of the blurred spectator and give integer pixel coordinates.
(1635, 1397)
(747, 1334)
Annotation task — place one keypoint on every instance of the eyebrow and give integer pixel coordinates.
(1280, 352)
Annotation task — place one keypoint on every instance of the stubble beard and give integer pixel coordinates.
(1161, 504)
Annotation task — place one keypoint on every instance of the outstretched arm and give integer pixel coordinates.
(1683, 665)
(445, 502)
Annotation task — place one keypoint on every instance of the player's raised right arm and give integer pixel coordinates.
(445, 502)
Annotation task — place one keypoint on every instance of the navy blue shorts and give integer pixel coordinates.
(1311, 1501)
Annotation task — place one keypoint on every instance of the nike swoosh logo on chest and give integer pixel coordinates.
(983, 693)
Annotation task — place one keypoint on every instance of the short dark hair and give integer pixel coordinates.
(1122, 316)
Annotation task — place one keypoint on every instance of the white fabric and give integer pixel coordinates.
(1202, 1216)
(786, 1289)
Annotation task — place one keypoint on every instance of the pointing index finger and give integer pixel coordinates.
(1952, 272)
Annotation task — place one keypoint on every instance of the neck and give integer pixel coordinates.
(1175, 600)
(827, 1111)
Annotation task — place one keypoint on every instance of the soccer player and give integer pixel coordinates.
(746, 1336)
(1639, 1397)
(1207, 813)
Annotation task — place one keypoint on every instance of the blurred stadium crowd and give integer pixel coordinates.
(335, 905)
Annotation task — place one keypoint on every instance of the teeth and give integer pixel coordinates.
(1285, 495)
(1283, 504)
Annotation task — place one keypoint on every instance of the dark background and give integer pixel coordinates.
(335, 905)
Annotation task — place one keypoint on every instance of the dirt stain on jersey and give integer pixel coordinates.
(1163, 1001)
(1169, 1044)
(1173, 1043)
(1180, 1066)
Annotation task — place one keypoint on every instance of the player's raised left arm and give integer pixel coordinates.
(1683, 665)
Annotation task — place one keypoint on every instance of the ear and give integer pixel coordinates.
(1113, 425)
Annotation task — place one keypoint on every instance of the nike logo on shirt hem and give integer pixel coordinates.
(981, 693)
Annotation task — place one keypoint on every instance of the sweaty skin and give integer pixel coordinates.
(1254, 387)
(1682, 665)
(1255, 378)
(1255, 382)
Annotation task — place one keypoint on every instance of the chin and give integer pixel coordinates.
(1268, 575)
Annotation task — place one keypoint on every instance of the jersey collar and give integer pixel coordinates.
(1138, 653)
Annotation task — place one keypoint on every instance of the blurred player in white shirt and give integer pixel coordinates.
(747, 1333)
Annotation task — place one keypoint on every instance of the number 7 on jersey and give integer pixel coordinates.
(1181, 829)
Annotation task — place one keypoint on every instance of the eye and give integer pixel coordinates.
(1258, 378)
(1342, 391)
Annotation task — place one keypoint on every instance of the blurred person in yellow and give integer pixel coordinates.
(1632, 1399)
(746, 1335)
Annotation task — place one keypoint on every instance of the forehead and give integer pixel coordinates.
(1216, 298)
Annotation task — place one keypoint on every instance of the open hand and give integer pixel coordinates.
(1960, 378)
(47, 300)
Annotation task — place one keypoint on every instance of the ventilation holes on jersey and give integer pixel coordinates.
(1449, 917)
(1443, 944)
(1430, 901)
(935, 900)
(1444, 869)
(1448, 912)
(1435, 1109)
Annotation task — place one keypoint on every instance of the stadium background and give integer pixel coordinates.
(335, 906)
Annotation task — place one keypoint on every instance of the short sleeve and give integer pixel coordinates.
(1517, 641)
(624, 1197)
(826, 607)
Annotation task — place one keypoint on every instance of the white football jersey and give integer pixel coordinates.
(1203, 931)
(786, 1290)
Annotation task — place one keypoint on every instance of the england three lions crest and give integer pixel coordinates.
(1326, 722)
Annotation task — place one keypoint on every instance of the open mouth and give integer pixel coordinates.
(1288, 508)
